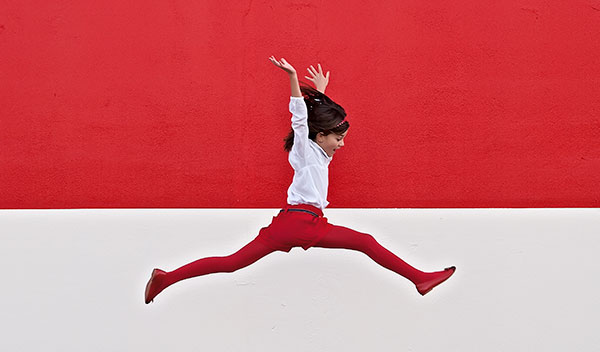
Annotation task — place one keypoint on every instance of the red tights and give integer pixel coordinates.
(336, 237)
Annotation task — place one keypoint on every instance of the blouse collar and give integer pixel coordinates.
(322, 152)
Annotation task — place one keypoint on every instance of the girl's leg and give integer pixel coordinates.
(247, 255)
(343, 237)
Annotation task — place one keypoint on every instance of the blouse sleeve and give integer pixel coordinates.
(300, 126)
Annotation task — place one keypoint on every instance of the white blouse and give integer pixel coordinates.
(309, 160)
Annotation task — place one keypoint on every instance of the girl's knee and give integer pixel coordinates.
(363, 241)
(367, 239)
(235, 262)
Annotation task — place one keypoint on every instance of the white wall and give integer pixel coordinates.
(527, 280)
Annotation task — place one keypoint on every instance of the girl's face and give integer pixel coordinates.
(331, 142)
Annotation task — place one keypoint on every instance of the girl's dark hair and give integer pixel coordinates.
(323, 116)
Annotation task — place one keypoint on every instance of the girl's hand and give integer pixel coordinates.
(320, 81)
(284, 65)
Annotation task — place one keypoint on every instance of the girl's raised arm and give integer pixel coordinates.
(291, 71)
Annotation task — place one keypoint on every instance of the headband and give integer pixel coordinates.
(339, 124)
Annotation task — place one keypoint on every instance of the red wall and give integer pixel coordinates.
(175, 104)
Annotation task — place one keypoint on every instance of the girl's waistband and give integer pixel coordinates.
(310, 208)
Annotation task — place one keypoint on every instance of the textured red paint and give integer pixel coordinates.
(174, 104)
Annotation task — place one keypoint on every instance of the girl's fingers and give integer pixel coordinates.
(316, 73)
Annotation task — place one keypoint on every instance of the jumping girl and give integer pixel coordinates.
(319, 126)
